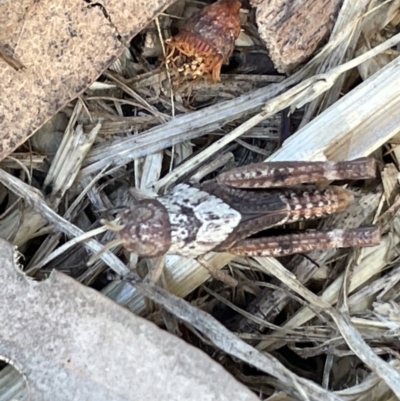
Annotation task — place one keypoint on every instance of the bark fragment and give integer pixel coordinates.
(293, 30)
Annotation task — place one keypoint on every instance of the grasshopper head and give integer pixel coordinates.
(144, 229)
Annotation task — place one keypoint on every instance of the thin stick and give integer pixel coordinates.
(35, 198)
(63, 248)
(299, 388)
(217, 274)
(107, 247)
(352, 337)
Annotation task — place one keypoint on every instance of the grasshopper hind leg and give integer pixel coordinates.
(284, 245)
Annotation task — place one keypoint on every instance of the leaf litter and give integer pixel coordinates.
(323, 324)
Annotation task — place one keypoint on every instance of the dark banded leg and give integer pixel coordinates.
(284, 245)
(287, 174)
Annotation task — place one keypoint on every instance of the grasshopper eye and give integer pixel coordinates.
(145, 229)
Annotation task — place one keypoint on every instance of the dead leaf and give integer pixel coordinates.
(72, 343)
(62, 48)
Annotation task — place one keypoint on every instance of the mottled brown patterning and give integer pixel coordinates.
(287, 174)
(219, 215)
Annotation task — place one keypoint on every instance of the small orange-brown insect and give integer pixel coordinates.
(206, 41)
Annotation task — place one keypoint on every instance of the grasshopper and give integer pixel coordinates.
(223, 214)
